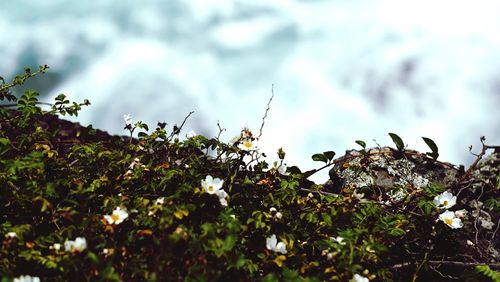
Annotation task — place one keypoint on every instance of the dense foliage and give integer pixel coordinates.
(77, 203)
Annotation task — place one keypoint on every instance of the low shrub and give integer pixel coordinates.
(80, 204)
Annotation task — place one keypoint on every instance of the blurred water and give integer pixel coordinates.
(342, 70)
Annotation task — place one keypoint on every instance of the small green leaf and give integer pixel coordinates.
(361, 143)
(290, 275)
(240, 262)
(320, 158)
(4, 141)
(397, 232)
(398, 141)
(434, 154)
(327, 219)
(93, 257)
(329, 155)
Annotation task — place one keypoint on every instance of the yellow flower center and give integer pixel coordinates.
(448, 221)
(445, 203)
(115, 217)
(247, 144)
(210, 188)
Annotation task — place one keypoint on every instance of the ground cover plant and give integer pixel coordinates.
(79, 204)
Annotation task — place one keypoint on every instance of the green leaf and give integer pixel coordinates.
(329, 155)
(398, 141)
(320, 158)
(290, 275)
(361, 143)
(4, 141)
(240, 262)
(327, 219)
(93, 257)
(397, 232)
(229, 242)
(434, 154)
(488, 272)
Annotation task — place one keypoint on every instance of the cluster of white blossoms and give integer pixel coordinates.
(213, 186)
(446, 200)
(76, 246)
(117, 216)
(272, 244)
(26, 278)
(275, 213)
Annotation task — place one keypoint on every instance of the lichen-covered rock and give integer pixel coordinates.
(396, 178)
(388, 175)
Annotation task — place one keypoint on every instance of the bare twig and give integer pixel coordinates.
(220, 130)
(267, 110)
(435, 268)
(184, 121)
(177, 129)
(494, 233)
(313, 171)
(415, 275)
(478, 210)
(447, 263)
(16, 105)
(478, 158)
(318, 192)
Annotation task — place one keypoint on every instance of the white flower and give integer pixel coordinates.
(273, 245)
(329, 256)
(26, 278)
(223, 202)
(275, 213)
(128, 119)
(56, 246)
(222, 197)
(445, 200)
(160, 201)
(448, 217)
(282, 169)
(11, 235)
(339, 240)
(191, 134)
(117, 217)
(359, 278)
(211, 185)
(78, 245)
(247, 144)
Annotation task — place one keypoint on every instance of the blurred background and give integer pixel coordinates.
(342, 70)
